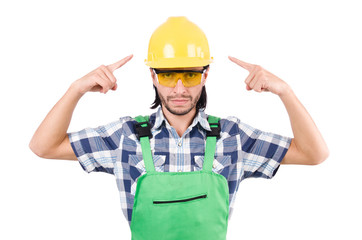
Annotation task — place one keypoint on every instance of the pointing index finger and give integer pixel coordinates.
(247, 66)
(112, 67)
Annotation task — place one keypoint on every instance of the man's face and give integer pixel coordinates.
(179, 100)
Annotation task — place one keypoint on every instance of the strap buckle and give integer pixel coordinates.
(143, 131)
(215, 131)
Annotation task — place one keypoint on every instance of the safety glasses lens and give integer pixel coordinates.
(189, 79)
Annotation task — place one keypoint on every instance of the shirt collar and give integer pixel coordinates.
(201, 118)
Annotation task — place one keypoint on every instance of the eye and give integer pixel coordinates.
(166, 75)
(190, 75)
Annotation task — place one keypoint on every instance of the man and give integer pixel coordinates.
(178, 171)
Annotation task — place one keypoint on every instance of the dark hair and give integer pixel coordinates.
(201, 104)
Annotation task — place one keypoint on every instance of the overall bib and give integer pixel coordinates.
(180, 205)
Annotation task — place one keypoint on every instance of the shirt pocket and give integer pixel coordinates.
(138, 162)
(219, 163)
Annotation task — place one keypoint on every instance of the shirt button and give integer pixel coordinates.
(180, 170)
(179, 144)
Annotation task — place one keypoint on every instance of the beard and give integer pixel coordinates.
(176, 111)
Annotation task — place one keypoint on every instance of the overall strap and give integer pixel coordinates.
(211, 137)
(144, 134)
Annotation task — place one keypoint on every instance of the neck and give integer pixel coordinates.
(179, 122)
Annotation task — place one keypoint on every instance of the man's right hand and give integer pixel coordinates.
(51, 140)
(100, 79)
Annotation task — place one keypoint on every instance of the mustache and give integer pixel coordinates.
(181, 96)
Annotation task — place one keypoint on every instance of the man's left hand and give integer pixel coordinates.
(260, 80)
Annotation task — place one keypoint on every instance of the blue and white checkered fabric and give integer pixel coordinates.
(241, 152)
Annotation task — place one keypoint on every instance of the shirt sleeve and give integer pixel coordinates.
(262, 152)
(96, 148)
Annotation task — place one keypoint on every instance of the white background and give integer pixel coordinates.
(315, 46)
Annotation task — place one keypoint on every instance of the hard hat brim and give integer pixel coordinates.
(178, 63)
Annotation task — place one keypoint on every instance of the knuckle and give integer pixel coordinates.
(101, 68)
(258, 67)
(98, 71)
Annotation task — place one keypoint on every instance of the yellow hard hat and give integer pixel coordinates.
(178, 43)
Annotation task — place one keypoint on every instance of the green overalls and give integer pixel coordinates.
(180, 205)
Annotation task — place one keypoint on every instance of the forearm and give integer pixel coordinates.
(307, 138)
(52, 131)
(50, 139)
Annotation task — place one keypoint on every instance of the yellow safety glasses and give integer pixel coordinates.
(169, 78)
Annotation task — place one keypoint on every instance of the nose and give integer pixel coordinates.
(179, 88)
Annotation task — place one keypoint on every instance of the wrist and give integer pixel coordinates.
(285, 91)
(75, 90)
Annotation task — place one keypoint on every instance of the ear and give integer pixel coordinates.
(153, 76)
(204, 77)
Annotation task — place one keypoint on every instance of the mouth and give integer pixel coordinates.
(179, 101)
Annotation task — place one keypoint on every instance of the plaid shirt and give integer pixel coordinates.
(241, 152)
